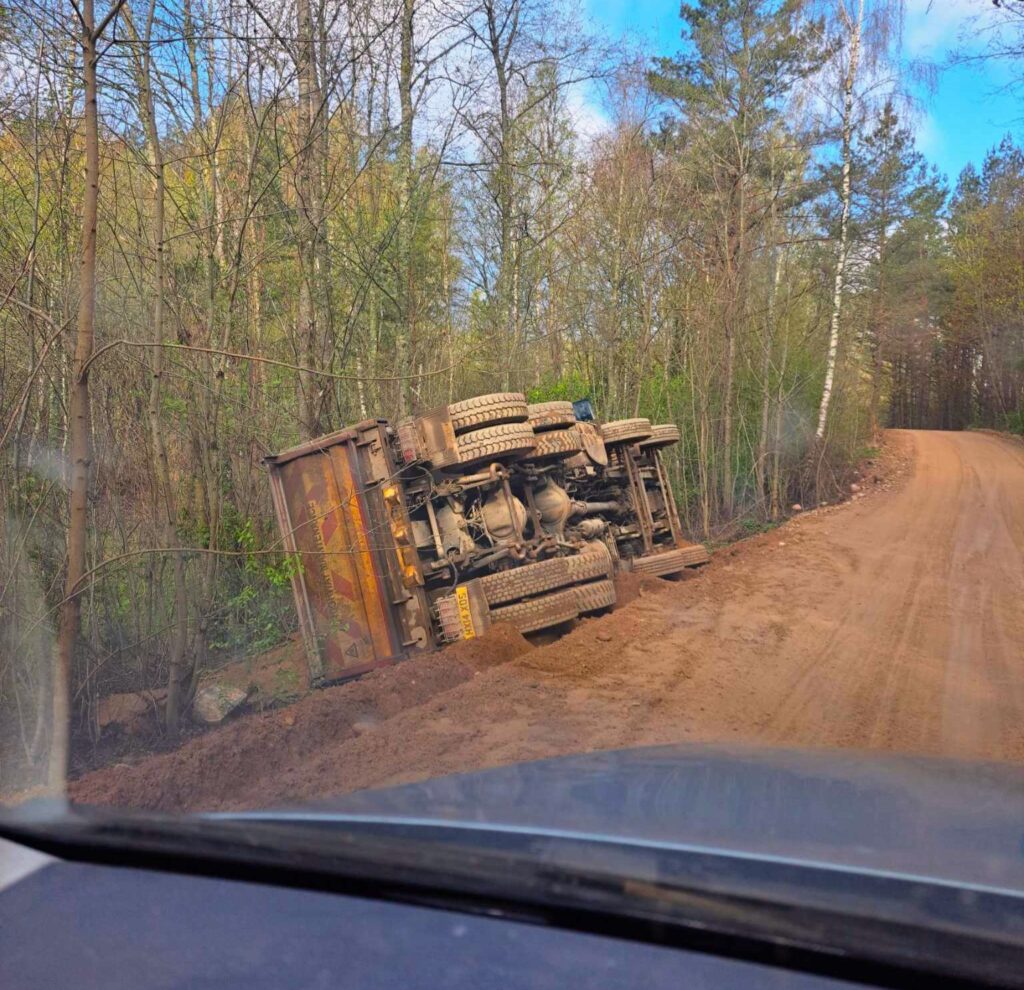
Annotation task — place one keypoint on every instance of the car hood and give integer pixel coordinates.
(915, 816)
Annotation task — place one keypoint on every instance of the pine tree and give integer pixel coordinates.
(729, 89)
(899, 221)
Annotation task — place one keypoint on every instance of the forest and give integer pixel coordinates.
(230, 225)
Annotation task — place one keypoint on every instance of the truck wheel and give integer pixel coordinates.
(662, 435)
(595, 596)
(510, 586)
(671, 561)
(539, 613)
(488, 410)
(591, 562)
(526, 580)
(557, 444)
(551, 415)
(626, 431)
(509, 441)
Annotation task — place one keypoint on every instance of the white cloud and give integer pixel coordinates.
(934, 25)
(588, 118)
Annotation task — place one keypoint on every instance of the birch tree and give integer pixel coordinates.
(851, 18)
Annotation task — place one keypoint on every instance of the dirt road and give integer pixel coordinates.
(891, 622)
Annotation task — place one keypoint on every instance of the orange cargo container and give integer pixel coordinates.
(358, 587)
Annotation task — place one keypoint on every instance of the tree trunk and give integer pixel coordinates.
(208, 452)
(79, 427)
(306, 319)
(177, 673)
(506, 316)
(778, 491)
(767, 344)
(404, 328)
(844, 222)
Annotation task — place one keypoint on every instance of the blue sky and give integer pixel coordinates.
(957, 122)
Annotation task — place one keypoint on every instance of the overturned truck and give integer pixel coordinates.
(426, 531)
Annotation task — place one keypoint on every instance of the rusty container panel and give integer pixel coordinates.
(344, 606)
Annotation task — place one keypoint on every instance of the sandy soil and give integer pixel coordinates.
(893, 622)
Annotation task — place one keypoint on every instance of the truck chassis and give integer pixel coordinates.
(429, 530)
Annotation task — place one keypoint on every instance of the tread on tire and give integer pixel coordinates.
(492, 409)
(595, 596)
(508, 441)
(546, 575)
(551, 415)
(662, 435)
(626, 431)
(557, 444)
(540, 613)
(671, 561)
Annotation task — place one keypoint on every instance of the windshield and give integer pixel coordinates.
(393, 391)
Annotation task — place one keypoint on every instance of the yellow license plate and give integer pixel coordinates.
(465, 615)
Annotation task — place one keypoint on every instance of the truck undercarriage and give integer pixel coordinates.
(486, 510)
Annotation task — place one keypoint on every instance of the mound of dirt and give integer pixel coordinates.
(630, 586)
(247, 760)
(277, 677)
(478, 703)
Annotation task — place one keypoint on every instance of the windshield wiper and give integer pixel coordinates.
(685, 901)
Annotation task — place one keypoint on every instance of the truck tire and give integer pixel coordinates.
(662, 435)
(593, 561)
(488, 410)
(595, 596)
(546, 575)
(524, 581)
(509, 441)
(555, 445)
(551, 415)
(626, 431)
(671, 561)
(539, 613)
